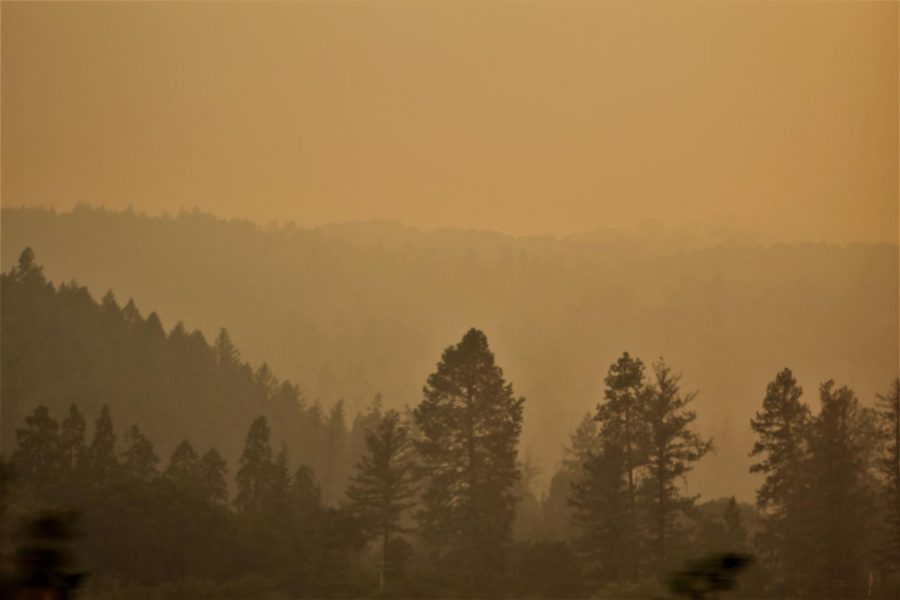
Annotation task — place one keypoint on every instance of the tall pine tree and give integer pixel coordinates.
(72, 441)
(841, 499)
(102, 451)
(38, 458)
(470, 423)
(621, 418)
(673, 449)
(382, 488)
(782, 453)
(600, 503)
(255, 469)
(277, 496)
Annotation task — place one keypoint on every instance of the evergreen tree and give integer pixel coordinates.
(102, 451)
(139, 459)
(734, 532)
(841, 496)
(108, 305)
(782, 453)
(227, 355)
(132, 315)
(154, 334)
(672, 450)
(72, 441)
(184, 466)
(277, 494)
(38, 457)
(28, 273)
(336, 468)
(26, 268)
(365, 421)
(266, 381)
(620, 416)
(211, 483)
(723, 531)
(556, 508)
(382, 487)
(600, 504)
(255, 469)
(469, 422)
(583, 443)
(306, 495)
(889, 468)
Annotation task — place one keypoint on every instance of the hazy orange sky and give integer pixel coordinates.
(523, 117)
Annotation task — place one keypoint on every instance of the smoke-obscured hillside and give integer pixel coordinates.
(347, 311)
(62, 348)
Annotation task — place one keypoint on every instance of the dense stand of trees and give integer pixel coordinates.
(829, 495)
(252, 492)
(149, 522)
(631, 513)
(61, 347)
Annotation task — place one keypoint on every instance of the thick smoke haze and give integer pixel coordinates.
(433, 299)
(517, 117)
(352, 310)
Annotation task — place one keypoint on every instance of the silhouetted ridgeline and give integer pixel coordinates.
(350, 310)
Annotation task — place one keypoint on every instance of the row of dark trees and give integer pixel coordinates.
(628, 506)
(432, 502)
(448, 471)
(830, 497)
(146, 523)
(460, 468)
(62, 347)
(829, 503)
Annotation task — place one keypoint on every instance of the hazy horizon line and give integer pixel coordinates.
(642, 228)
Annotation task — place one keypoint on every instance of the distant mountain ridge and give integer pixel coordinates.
(348, 310)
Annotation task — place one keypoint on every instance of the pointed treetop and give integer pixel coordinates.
(625, 373)
(154, 327)
(179, 332)
(26, 259)
(131, 313)
(226, 353)
(108, 303)
(26, 268)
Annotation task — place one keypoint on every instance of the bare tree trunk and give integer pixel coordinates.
(384, 551)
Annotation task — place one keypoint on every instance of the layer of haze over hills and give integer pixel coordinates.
(351, 310)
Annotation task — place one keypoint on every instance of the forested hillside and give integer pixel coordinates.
(348, 311)
(62, 347)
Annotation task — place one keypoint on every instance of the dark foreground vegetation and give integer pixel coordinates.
(184, 473)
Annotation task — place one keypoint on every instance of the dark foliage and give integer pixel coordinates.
(61, 348)
(164, 516)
